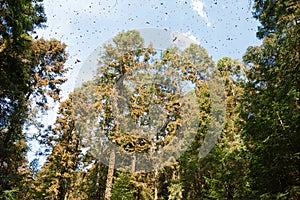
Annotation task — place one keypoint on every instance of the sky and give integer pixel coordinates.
(223, 28)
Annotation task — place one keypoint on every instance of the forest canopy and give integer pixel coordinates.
(152, 123)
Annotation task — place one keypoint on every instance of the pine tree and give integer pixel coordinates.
(28, 71)
(56, 179)
(271, 101)
(117, 110)
(17, 19)
(227, 177)
(122, 187)
(191, 170)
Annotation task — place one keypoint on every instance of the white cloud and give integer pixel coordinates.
(191, 36)
(198, 6)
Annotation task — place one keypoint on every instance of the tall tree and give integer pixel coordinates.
(272, 101)
(115, 102)
(55, 180)
(94, 100)
(116, 61)
(228, 171)
(14, 25)
(191, 170)
(28, 69)
(120, 59)
(91, 178)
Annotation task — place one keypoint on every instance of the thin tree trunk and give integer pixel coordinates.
(156, 183)
(110, 175)
(66, 196)
(133, 164)
(98, 193)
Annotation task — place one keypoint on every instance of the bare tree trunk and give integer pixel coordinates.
(133, 164)
(66, 196)
(98, 192)
(156, 183)
(110, 175)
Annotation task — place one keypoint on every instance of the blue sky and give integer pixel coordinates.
(224, 28)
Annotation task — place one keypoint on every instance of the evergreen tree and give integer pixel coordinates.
(122, 187)
(228, 172)
(29, 70)
(271, 101)
(56, 179)
(106, 103)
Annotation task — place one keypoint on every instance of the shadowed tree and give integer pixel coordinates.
(271, 101)
(30, 71)
(56, 178)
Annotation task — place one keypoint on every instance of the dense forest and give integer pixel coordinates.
(256, 155)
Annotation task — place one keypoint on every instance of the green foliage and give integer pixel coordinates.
(175, 191)
(28, 72)
(18, 17)
(96, 100)
(271, 102)
(122, 188)
(10, 194)
(257, 154)
(276, 16)
(56, 178)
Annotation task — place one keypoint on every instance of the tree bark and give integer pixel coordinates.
(156, 183)
(133, 164)
(110, 175)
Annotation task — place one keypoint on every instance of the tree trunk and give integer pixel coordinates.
(133, 164)
(156, 183)
(98, 192)
(110, 175)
